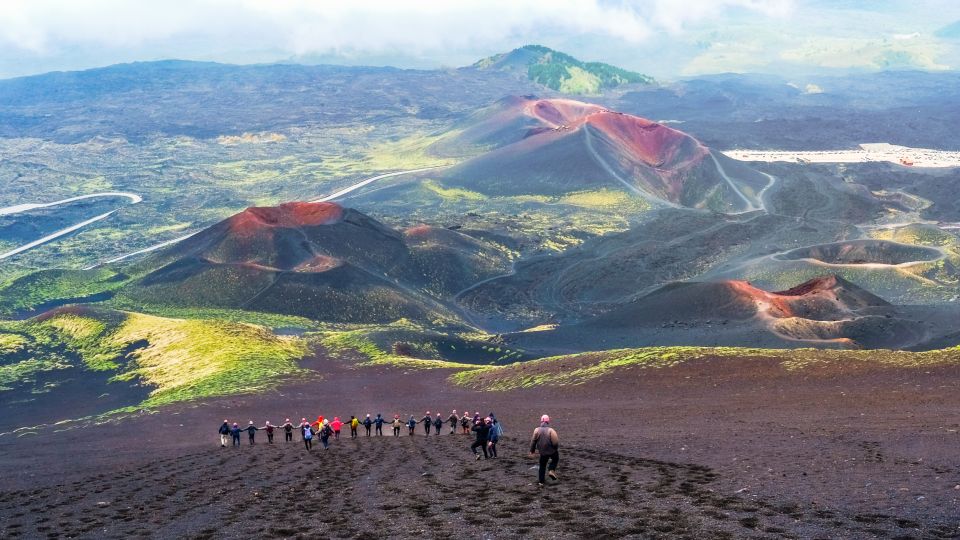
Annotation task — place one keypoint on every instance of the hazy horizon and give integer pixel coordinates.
(655, 37)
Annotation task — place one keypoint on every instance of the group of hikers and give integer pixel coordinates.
(487, 431)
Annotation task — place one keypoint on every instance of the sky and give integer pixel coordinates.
(663, 38)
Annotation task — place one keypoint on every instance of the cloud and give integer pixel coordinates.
(298, 27)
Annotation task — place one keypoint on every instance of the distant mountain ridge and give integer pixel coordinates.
(562, 72)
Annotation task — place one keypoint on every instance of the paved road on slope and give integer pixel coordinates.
(20, 208)
(368, 181)
(335, 195)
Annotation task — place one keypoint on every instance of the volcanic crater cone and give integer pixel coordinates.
(864, 252)
(318, 260)
(555, 146)
(826, 311)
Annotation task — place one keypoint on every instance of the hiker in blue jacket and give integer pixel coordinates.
(235, 434)
(378, 422)
(306, 430)
(367, 424)
(437, 424)
(224, 433)
(494, 436)
(252, 431)
(412, 424)
(427, 422)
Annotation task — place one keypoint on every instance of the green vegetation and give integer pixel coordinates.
(542, 223)
(356, 341)
(180, 359)
(269, 320)
(192, 359)
(581, 368)
(563, 72)
(407, 153)
(37, 288)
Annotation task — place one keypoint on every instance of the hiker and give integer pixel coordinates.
(476, 417)
(252, 431)
(437, 424)
(465, 423)
(287, 431)
(367, 424)
(378, 422)
(306, 430)
(494, 436)
(396, 425)
(427, 422)
(547, 443)
(325, 433)
(454, 420)
(354, 424)
(319, 423)
(483, 432)
(411, 424)
(235, 434)
(224, 433)
(269, 429)
(497, 427)
(336, 425)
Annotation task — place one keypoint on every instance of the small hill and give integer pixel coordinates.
(561, 72)
(827, 311)
(317, 260)
(554, 146)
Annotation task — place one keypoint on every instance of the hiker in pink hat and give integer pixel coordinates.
(546, 442)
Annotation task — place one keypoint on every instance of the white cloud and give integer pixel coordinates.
(297, 27)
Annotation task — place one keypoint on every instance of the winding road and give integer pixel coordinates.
(20, 208)
(368, 181)
(332, 196)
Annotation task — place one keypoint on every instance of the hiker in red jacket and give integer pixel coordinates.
(336, 425)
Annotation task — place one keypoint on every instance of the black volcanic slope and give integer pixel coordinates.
(555, 146)
(317, 260)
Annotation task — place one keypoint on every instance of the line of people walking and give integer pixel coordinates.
(487, 431)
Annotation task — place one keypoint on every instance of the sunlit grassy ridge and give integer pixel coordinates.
(407, 153)
(190, 359)
(180, 359)
(581, 368)
(356, 341)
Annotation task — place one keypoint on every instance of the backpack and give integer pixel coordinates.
(307, 433)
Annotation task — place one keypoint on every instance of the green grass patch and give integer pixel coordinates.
(37, 288)
(580, 368)
(270, 320)
(356, 341)
(181, 359)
